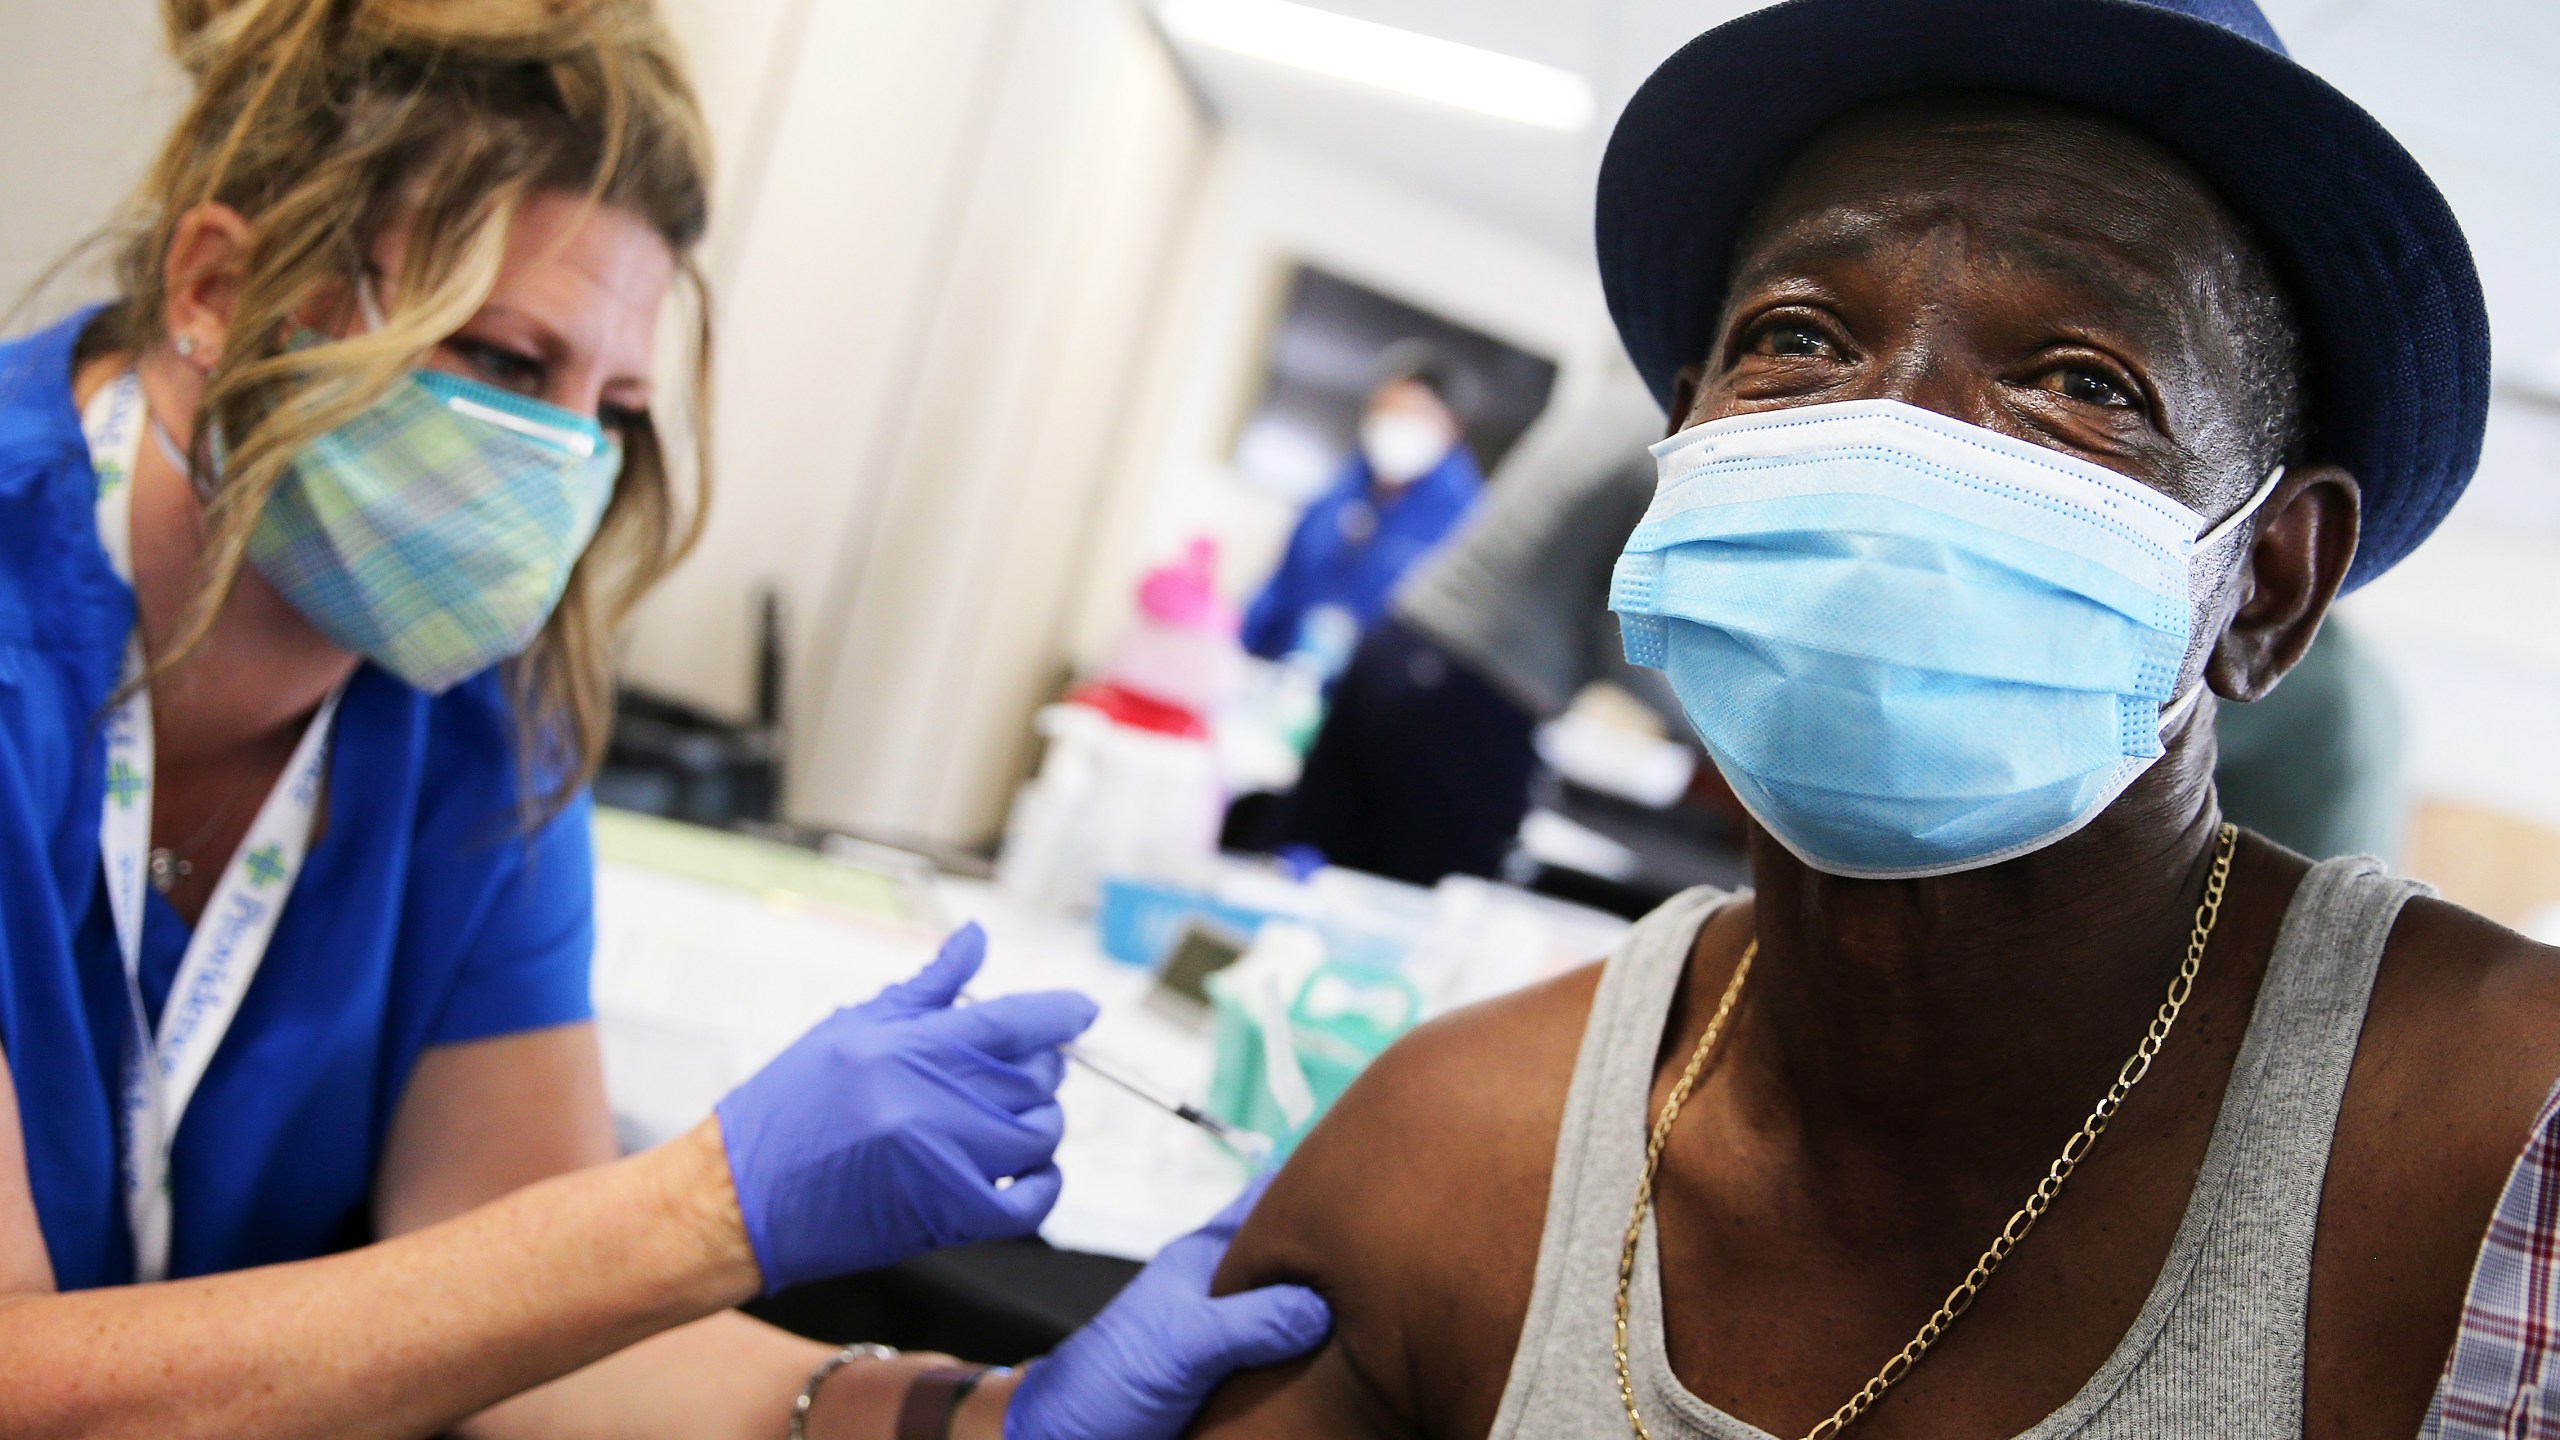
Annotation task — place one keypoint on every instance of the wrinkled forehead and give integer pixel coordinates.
(2026, 185)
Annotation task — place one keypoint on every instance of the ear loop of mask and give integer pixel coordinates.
(176, 454)
(366, 305)
(2240, 517)
(2176, 713)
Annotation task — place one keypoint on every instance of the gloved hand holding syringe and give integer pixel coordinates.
(1254, 1147)
(908, 1123)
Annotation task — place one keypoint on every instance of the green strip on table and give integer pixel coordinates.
(742, 862)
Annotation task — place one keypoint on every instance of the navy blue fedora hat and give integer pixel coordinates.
(2396, 327)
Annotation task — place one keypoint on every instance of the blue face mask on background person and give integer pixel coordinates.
(1912, 645)
(434, 533)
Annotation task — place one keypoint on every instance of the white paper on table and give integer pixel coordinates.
(1137, 1179)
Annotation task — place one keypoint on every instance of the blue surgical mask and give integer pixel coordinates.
(1912, 645)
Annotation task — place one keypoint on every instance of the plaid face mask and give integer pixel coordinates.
(434, 533)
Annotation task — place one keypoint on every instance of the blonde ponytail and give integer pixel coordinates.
(324, 123)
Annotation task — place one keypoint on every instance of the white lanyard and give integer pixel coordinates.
(160, 1072)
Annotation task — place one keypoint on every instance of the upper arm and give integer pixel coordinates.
(525, 965)
(2461, 1045)
(1268, 617)
(2500, 1373)
(487, 1117)
(25, 1266)
(2460, 1049)
(1415, 1209)
(1319, 1394)
(1311, 1229)
(510, 1088)
(1274, 607)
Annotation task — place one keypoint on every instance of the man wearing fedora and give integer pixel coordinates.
(2040, 373)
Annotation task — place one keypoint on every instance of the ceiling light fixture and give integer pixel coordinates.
(1406, 62)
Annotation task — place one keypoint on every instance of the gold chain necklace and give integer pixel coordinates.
(1961, 1298)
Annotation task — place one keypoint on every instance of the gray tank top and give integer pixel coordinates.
(2217, 1349)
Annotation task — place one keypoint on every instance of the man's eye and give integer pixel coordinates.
(2091, 388)
(1793, 342)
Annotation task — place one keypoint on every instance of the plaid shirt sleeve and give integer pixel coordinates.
(2503, 1378)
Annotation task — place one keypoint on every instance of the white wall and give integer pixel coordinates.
(841, 125)
(986, 499)
(85, 95)
(934, 267)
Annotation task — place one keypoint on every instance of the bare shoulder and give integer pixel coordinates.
(2461, 1045)
(2463, 1035)
(1415, 1208)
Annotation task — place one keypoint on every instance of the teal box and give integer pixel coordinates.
(1344, 1017)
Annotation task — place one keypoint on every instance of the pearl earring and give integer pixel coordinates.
(185, 346)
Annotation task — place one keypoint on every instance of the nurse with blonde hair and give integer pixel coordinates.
(311, 546)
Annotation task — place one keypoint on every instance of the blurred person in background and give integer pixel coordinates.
(1403, 489)
(312, 544)
(1424, 763)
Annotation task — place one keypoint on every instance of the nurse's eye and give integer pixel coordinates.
(498, 365)
(622, 420)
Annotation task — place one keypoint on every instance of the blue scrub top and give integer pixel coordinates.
(424, 916)
(1350, 551)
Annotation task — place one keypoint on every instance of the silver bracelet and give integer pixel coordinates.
(818, 1377)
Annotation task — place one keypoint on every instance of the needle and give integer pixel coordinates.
(1254, 1147)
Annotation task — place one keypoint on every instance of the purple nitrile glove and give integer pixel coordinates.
(1147, 1363)
(886, 1130)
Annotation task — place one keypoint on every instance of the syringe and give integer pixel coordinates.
(1253, 1146)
